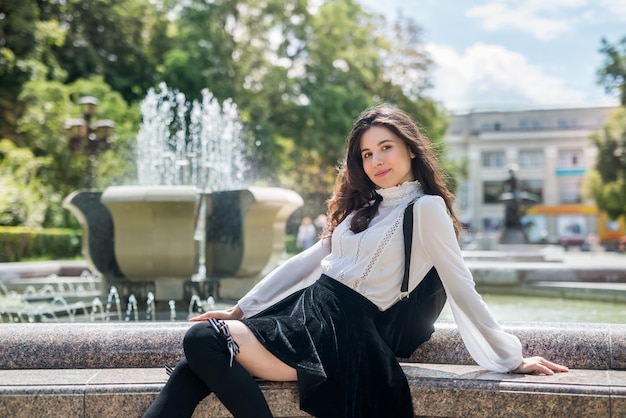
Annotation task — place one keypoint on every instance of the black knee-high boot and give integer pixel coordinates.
(181, 394)
(208, 355)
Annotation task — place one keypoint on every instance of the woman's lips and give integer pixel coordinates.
(382, 173)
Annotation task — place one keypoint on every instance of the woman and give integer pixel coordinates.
(320, 331)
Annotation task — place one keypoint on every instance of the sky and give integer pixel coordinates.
(514, 54)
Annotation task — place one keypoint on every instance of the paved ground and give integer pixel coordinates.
(598, 258)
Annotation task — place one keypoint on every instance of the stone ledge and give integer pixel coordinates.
(114, 369)
(438, 390)
(16, 271)
(155, 344)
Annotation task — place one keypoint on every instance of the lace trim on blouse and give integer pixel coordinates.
(393, 196)
(379, 249)
(341, 251)
(398, 194)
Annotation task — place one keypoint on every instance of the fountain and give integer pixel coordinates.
(191, 226)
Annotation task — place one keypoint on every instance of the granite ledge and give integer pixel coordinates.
(438, 390)
(154, 344)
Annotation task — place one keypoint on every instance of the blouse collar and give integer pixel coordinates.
(401, 193)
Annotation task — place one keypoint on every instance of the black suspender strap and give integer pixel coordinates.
(407, 229)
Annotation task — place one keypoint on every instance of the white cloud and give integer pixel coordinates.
(544, 19)
(617, 8)
(529, 16)
(491, 75)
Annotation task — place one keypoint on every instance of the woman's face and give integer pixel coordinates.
(386, 158)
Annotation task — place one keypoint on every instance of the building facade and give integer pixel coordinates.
(550, 151)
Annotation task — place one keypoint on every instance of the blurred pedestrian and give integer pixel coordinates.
(306, 234)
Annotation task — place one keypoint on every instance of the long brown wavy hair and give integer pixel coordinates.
(355, 192)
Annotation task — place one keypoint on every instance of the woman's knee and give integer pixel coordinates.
(202, 340)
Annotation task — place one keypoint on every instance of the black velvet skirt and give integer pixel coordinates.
(327, 332)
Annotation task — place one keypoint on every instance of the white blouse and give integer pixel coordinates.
(371, 262)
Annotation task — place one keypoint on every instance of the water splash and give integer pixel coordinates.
(150, 308)
(97, 307)
(182, 143)
(58, 303)
(210, 304)
(195, 306)
(131, 309)
(172, 305)
(114, 297)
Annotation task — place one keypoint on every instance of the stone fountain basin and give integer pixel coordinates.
(154, 229)
(148, 235)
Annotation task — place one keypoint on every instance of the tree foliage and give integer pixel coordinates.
(612, 75)
(606, 184)
(23, 197)
(116, 39)
(25, 54)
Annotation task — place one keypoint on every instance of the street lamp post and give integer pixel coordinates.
(87, 137)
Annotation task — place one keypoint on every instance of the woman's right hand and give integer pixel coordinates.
(232, 313)
(539, 365)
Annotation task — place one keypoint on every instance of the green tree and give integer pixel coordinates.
(116, 39)
(226, 46)
(26, 45)
(612, 75)
(17, 39)
(48, 105)
(606, 184)
(24, 195)
(242, 50)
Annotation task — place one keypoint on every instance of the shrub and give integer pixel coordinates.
(17, 243)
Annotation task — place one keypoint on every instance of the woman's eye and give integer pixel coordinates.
(367, 155)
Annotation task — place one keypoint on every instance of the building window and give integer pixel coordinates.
(569, 189)
(536, 124)
(571, 159)
(523, 124)
(486, 127)
(563, 123)
(492, 191)
(531, 159)
(497, 126)
(493, 159)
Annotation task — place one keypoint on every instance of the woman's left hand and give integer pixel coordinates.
(232, 313)
(539, 365)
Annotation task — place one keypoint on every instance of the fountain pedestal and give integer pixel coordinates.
(151, 243)
(154, 234)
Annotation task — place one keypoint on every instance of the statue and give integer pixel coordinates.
(516, 202)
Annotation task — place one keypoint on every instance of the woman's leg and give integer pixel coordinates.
(208, 365)
(181, 394)
(209, 356)
(256, 359)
